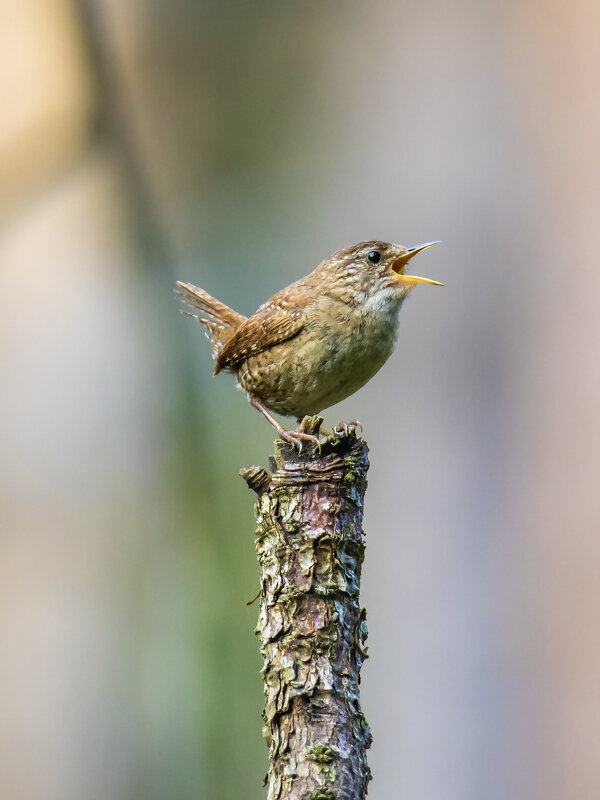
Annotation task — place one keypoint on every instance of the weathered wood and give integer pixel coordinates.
(310, 547)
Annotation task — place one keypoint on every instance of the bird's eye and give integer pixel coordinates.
(374, 256)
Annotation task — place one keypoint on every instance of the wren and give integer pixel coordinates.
(318, 340)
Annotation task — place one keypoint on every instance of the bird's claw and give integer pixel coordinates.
(348, 427)
(298, 437)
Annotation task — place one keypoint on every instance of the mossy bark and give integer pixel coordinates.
(310, 546)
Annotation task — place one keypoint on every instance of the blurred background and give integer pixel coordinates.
(235, 145)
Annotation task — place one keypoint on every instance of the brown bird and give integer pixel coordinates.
(317, 341)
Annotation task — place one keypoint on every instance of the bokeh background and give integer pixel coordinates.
(235, 145)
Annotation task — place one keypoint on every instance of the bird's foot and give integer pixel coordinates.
(298, 437)
(311, 425)
(348, 427)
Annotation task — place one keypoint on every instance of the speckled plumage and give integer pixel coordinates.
(320, 339)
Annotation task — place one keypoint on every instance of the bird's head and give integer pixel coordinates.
(370, 267)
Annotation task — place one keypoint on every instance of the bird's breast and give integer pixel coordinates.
(338, 351)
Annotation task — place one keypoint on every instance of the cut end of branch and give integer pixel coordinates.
(257, 478)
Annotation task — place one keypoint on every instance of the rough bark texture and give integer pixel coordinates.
(310, 549)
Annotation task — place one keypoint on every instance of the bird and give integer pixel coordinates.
(317, 341)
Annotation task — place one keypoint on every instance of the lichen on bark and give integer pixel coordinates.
(310, 547)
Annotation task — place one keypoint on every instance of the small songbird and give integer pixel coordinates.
(317, 341)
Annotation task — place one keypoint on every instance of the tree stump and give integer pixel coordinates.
(310, 547)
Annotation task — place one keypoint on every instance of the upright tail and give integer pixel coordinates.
(220, 321)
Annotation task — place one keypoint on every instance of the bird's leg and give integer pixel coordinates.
(342, 427)
(307, 425)
(302, 424)
(293, 437)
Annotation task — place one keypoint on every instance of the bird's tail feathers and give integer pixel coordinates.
(220, 321)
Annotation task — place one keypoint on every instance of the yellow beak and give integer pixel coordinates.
(400, 263)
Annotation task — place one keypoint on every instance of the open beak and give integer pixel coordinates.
(400, 263)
